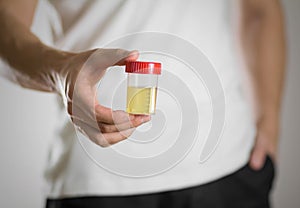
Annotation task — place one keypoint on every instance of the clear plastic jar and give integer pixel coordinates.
(142, 86)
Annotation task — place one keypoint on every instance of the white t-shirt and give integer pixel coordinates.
(74, 164)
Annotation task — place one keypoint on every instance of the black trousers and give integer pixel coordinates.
(245, 188)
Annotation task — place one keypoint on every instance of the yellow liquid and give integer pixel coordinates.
(141, 100)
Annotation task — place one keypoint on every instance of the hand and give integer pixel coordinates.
(265, 143)
(81, 73)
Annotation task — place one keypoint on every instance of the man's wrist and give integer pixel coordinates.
(53, 67)
(269, 124)
(269, 114)
(55, 60)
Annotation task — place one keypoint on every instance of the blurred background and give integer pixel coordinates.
(23, 155)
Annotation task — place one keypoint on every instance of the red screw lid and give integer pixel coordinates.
(141, 67)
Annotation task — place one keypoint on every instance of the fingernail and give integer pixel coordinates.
(148, 118)
(145, 118)
(134, 52)
(142, 119)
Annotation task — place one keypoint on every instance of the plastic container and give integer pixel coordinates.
(142, 83)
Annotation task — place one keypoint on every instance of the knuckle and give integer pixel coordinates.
(118, 114)
(127, 133)
(101, 141)
(99, 110)
(101, 127)
(105, 128)
(135, 123)
(118, 138)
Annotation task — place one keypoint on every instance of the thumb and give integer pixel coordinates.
(127, 56)
(95, 66)
(257, 158)
(107, 57)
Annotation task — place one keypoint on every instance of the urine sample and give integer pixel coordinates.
(142, 86)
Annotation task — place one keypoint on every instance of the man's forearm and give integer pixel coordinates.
(262, 35)
(34, 63)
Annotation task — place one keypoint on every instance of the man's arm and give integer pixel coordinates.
(37, 66)
(23, 10)
(263, 46)
(22, 50)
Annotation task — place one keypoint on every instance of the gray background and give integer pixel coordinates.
(23, 147)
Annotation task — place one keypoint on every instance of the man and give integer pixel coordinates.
(226, 180)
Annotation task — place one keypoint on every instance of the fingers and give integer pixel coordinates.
(112, 121)
(137, 121)
(110, 127)
(100, 114)
(258, 157)
(265, 145)
(113, 138)
(103, 139)
(106, 115)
